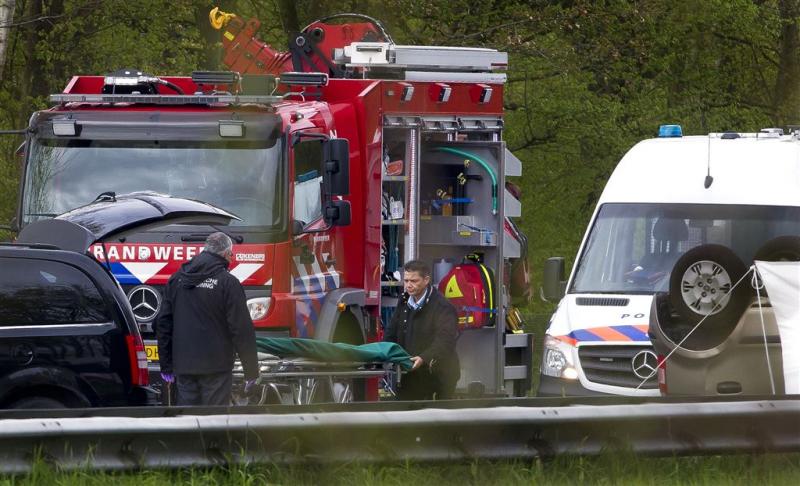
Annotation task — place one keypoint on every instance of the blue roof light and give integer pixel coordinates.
(670, 131)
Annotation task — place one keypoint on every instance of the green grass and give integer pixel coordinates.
(610, 469)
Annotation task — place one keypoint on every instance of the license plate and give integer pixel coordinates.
(152, 352)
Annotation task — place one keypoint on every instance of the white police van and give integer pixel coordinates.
(728, 193)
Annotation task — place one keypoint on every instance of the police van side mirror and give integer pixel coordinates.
(554, 283)
(336, 166)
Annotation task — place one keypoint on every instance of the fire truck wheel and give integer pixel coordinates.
(347, 330)
(701, 287)
(780, 249)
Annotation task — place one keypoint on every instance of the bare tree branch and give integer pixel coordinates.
(48, 18)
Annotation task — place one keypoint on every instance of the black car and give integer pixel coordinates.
(68, 336)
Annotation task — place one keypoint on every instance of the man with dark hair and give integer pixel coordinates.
(203, 320)
(425, 323)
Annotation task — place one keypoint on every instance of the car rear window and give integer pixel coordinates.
(42, 292)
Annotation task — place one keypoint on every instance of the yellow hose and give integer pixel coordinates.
(218, 18)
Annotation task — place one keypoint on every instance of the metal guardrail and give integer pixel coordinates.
(385, 435)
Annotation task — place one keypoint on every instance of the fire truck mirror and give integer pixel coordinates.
(337, 166)
(337, 213)
(297, 227)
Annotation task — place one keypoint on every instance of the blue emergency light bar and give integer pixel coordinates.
(670, 131)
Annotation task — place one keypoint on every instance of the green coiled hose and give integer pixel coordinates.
(480, 162)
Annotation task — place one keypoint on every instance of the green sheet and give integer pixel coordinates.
(382, 352)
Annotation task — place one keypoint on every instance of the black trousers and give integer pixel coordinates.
(211, 389)
(421, 384)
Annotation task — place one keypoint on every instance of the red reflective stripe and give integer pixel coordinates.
(608, 334)
(139, 374)
(567, 339)
(662, 375)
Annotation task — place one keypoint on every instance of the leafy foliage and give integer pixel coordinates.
(587, 79)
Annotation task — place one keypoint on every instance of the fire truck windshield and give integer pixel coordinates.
(241, 177)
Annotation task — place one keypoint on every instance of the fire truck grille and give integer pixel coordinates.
(614, 365)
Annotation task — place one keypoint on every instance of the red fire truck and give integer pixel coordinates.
(344, 157)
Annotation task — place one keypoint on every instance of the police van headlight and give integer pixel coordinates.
(258, 307)
(557, 359)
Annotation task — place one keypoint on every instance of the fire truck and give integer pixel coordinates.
(343, 157)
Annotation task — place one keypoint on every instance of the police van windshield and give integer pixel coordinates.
(242, 177)
(632, 247)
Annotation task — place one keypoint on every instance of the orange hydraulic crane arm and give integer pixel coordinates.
(310, 50)
(244, 52)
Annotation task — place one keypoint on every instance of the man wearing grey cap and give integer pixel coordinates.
(202, 322)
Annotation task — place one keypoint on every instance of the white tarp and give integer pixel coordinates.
(782, 280)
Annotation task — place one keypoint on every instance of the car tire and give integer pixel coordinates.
(699, 281)
(36, 402)
(780, 249)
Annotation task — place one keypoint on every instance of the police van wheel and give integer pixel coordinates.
(701, 286)
(780, 249)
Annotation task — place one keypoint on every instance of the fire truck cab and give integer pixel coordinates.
(344, 157)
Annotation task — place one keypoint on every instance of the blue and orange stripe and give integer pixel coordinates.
(607, 333)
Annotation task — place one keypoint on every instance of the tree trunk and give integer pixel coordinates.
(6, 19)
(31, 75)
(289, 13)
(787, 86)
(58, 77)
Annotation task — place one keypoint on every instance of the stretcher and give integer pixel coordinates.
(309, 371)
(302, 381)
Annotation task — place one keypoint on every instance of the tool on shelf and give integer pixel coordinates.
(482, 163)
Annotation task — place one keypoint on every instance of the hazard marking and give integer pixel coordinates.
(452, 291)
(243, 271)
(144, 271)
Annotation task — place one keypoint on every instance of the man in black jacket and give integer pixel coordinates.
(203, 320)
(425, 323)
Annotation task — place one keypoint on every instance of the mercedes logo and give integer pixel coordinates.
(145, 302)
(644, 364)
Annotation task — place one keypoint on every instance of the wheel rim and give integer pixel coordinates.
(705, 287)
